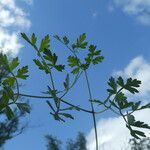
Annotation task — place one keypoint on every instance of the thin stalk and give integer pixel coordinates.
(49, 97)
(93, 112)
(74, 82)
(51, 77)
(90, 95)
(52, 80)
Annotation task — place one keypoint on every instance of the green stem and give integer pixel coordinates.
(49, 97)
(88, 85)
(93, 112)
(57, 104)
(51, 77)
(74, 82)
(52, 80)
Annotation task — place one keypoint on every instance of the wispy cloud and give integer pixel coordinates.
(112, 132)
(140, 9)
(13, 19)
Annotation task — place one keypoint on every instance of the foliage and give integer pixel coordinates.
(9, 128)
(143, 144)
(52, 143)
(79, 144)
(47, 61)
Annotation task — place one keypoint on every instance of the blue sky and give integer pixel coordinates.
(119, 27)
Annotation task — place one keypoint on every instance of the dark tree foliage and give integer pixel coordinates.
(79, 144)
(53, 143)
(143, 144)
(9, 128)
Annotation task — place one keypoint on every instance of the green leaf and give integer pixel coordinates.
(4, 100)
(140, 133)
(97, 60)
(131, 119)
(14, 64)
(120, 97)
(4, 61)
(73, 61)
(113, 85)
(66, 40)
(59, 67)
(41, 65)
(23, 107)
(9, 81)
(57, 37)
(141, 124)
(122, 102)
(9, 113)
(72, 108)
(84, 66)
(120, 81)
(24, 36)
(135, 133)
(133, 122)
(45, 43)
(92, 48)
(75, 71)
(50, 57)
(67, 115)
(8, 92)
(145, 106)
(132, 84)
(33, 39)
(82, 37)
(22, 73)
(54, 95)
(67, 82)
(94, 56)
(81, 42)
(56, 117)
(136, 105)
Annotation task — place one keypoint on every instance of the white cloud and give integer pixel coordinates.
(9, 42)
(13, 19)
(113, 134)
(138, 68)
(140, 9)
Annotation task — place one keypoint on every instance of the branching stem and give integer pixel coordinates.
(49, 97)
